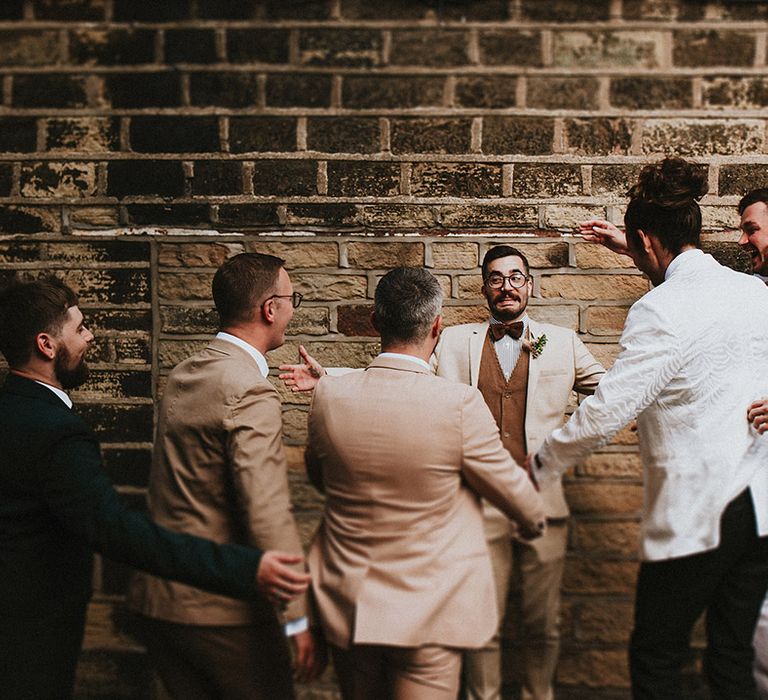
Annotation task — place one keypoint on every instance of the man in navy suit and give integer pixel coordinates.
(57, 505)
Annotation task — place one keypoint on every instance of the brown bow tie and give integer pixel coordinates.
(513, 330)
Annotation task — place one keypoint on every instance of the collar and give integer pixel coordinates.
(762, 278)
(400, 356)
(59, 392)
(252, 351)
(495, 321)
(682, 259)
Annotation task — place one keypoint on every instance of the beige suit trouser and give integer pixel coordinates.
(380, 672)
(540, 582)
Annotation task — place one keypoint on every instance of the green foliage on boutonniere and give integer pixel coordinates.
(537, 345)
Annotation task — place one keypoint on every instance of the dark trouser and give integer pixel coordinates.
(201, 662)
(729, 583)
(38, 656)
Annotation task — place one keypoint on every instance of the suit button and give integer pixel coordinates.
(507, 395)
(506, 434)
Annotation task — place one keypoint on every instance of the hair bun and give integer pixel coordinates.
(672, 182)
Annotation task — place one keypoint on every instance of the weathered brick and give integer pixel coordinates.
(600, 136)
(17, 252)
(546, 180)
(330, 354)
(93, 217)
(604, 621)
(12, 9)
(309, 320)
(224, 89)
(29, 219)
(604, 497)
(402, 216)
(185, 286)
(486, 91)
(739, 92)
(477, 10)
(29, 48)
(651, 93)
(431, 135)
(729, 254)
(126, 178)
(116, 384)
(58, 179)
(454, 315)
(469, 286)
(565, 316)
(599, 576)
(495, 216)
(318, 287)
(594, 668)
(298, 90)
(173, 134)
(257, 45)
(526, 135)
(662, 10)
(609, 49)
(132, 11)
(589, 255)
(371, 256)
(613, 465)
(188, 319)
(455, 255)
(713, 48)
(566, 11)
(694, 137)
(606, 538)
(322, 214)
(299, 254)
(188, 215)
(343, 134)
(110, 286)
(429, 47)
(217, 177)
(340, 47)
(135, 90)
(605, 354)
(82, 254)
(190, 46)
(392, 92)
(49, 90)
(562, 92)
(569, 216)
(285, 177)
(262, 134)
(456, 180)
(128, 467)
(719, 217)
(614, 179)
(361, 179)
(514, 48)
(606, 320)
(543, 255)
(246, 215)
(196, 254)
(112, 47)
(87, 134)
(356, 320)
(18, 134)
(119, 423)
(263, 9)
(740, 178)
(593, 286)
(6, 179)
(83, 10)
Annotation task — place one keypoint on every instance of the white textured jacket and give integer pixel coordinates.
(694, 356)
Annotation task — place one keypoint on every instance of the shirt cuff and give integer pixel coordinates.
(294, 627)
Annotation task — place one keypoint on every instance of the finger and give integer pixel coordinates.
(304, 354)
(285, 558)
(292, 589)
(289, 368)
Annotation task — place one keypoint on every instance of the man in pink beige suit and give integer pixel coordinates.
(400, 569)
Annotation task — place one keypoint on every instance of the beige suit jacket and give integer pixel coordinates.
(564, 365)
(218, 471)
(400, 556)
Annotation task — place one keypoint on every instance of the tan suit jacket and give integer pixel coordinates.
(564, 365)
(218, 471)
(400, 556)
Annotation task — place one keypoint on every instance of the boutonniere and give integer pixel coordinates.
(536, 345)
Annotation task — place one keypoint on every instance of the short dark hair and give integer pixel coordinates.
(502, 251)
(407, 301)
(664, 202)
(29, 307)
(753, 197)
(241, 283)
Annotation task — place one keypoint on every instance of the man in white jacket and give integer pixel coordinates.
(694, 354)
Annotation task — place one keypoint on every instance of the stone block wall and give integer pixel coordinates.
(143, 142)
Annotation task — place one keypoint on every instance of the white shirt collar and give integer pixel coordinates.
(252, 351)
(410, 358)
(763, 278)
(523, 318)
(61, 394)
(685, 255)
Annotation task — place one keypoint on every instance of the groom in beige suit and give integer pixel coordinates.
(400, 569)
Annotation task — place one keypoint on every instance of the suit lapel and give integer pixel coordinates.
(475, 349)
(534, 367)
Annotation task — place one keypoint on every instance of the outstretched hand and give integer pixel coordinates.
(303, 377)
(605, 233)
(277, 581)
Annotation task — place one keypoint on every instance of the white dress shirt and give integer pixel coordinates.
(61, 394)
(508, 349)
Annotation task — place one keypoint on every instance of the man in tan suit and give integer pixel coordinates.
(400, 569)
(219, 471)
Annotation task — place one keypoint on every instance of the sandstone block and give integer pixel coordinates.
(29, 48)
(662, 10)
(247, 215)
(430, 135)
(285, 177)
(295, 425)
(322, 214)
(356, 320)
(262, 134)
(196, 254)
(217, 177)
(714, 218)
(428, 47)
(80, 254)
(606, 320)
(651, 93)
(171, 352)
(606, 538)
(697, 137)
(29, 219)
(299, 254)
(568, 216)
(257, 45)
(186, 215)
(565, 11)
(57, 90)
(87, 134)
(135, 90)
(604, 621)
(298, 90)
(309, 320)
(340, 47)
(604, 577)
(398, 216)
(354, 354)
(190, 46)
(454, 315)
(604, 497)
(317, 287)
(174, 134)
(392, 92)
(18, 134)
(546, 180)
(130, 11)
(343, 134)
(478, 10)
(486, 91)
(147, 177)
(612, 465)
(599, 136)
(455, 255)
(562, 92)
(188, 319)
(469, 286)
(456, 180)
(118, 422)
(178, 286)
(235, 90)
(636, 49)
(713, 48)
(111, 47)
(494, 215)
(594, 668)
(589, 255)
(614, 180)
(604, 353)
(565, 316)
(734, 92)
(361, 179)
(371, 256)
(740, 178)
(515, 48)
(526, 135)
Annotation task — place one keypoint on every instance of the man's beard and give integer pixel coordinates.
(69, 377)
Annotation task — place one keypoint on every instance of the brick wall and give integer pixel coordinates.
(142, 142)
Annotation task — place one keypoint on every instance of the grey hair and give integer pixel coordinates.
(407, 302)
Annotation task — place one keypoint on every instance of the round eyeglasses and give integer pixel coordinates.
(496, 280)
(295, 298)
